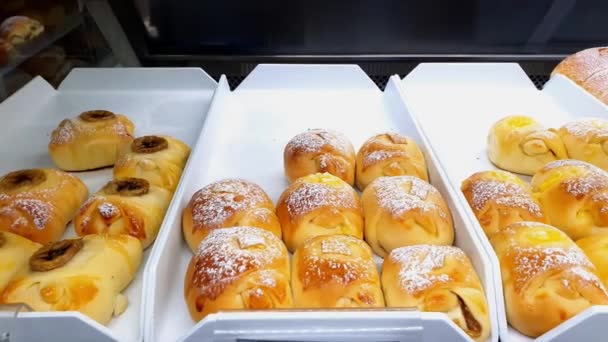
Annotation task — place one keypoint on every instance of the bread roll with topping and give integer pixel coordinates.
(596, 249)
(404, 211)
(546, 278)
(587, 140)
(389, 154)
(85, 275)
(15, 253)
(499, 198)
(238, 268)
(589, 69)
(158, 159)
(319, 204)
(18, 29)
(228, 203)
(439, 279)
(520, 144)
(319, 151)
(38, 203)
(574, 195)
(90, 140)
(128, 206)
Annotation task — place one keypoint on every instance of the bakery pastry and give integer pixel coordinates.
(39, 203)
(596, 249)
(335, 271)
(158, 159)
(389, 154)
(319, 150)
(7, 52)
(520, 144)
(319, 204)
(439, 279)
(85, 275)
(90, 140)
(587, 140)
(589, 69)
(20, 29)
(228, 203)
(238, 268)
(546, 278)
(403, 211)
(15, 253)
(499, 198)
(124, 206)
(574, 196)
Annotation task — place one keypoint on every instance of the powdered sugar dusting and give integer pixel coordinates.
(380, 155)
(307, 197)
(393, 196)
(107, 210)
(586, 62)
(70, 129)
(335, 246)
(508, 194)
(317, 141)
(592, 180)
(267, 278)
(39, 212)
(421, 266)
(587, 128)
(247, 241)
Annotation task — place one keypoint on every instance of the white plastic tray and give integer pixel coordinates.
(158, 101)
(244, 136)
(456, 104)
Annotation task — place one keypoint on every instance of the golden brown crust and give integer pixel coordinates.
(55, 255)
(589, 69)
(587, 140)
(13, 181)
(228, 203)
(546, 278)
(389, 154)
(499, 198)
(149, 144)
(20, 29)
(596, 249)
(402, 211)
(319, 150)
(319, 204)
(440, 279)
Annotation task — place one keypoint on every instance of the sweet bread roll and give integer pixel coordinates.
(20, 29)
(335, 271)
(158, 159)
(389, 154)
(318, 151)
(238, 268)
(90, 140)
(596, 249)
(587, 140)
(124, 206)
(15, 253)
(574, 196)
(38, 203)
(319, 204)
(499, 198)
(546, 278)
(403, 211)
(438, 279)
(520, 144)
(228, 203)
(589, 69)
(85, 275)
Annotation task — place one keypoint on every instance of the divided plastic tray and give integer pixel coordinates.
(456, 104)
(244, 136)
(158, 101)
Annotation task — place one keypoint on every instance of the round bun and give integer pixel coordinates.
(587, 69)
(546, 278)
(587, 140)
(596, 249)
(574, 196)
(404, 211)
(227, 203)
(319, 204)
(438, 279)
(389, 154)
(238, 268)
(319, 150)
(335, 271)
(520, 144)
(499, 198)
(20, 29)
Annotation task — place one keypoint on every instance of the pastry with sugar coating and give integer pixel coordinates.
(499, 198)
(438, 279)
(335, 271)
(319, 151)
(319, 204)
(520, 144)
(238, 268)
(546, 278)
(587, 140)
(228, 203)
(404, 211)
(589, 69)
(574, 195)
(389, 154)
